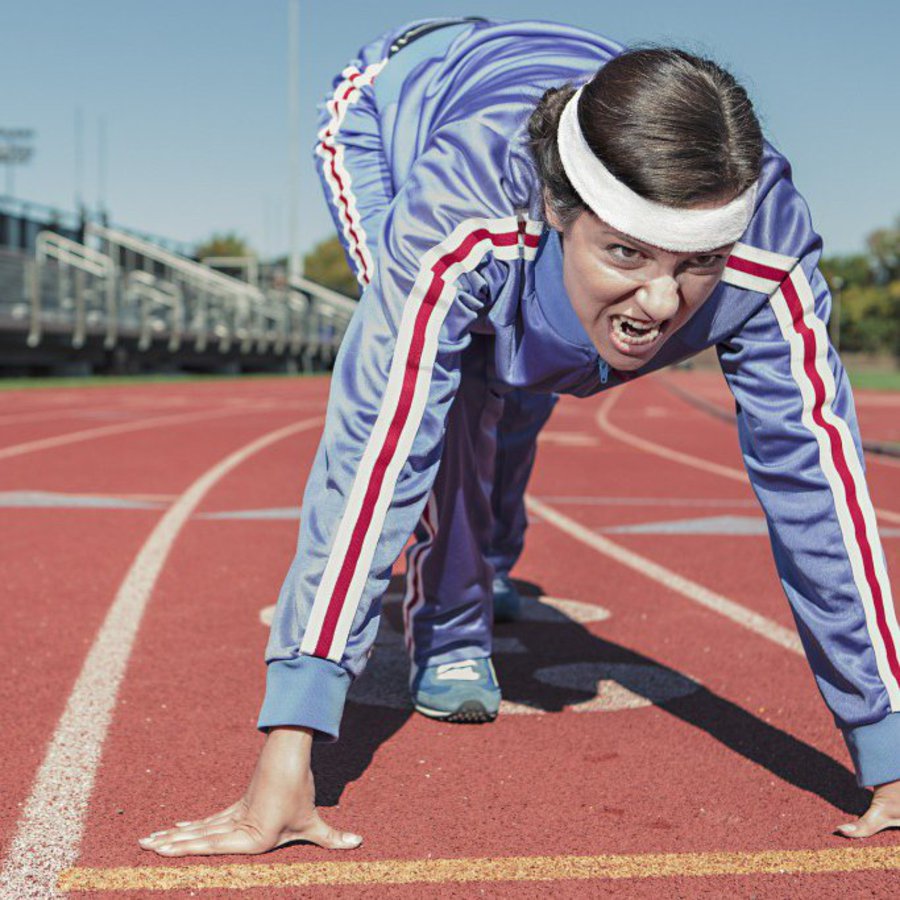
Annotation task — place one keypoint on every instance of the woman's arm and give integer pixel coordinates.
(801, 446)
(394, 380)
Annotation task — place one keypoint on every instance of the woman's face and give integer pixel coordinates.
(632, 297)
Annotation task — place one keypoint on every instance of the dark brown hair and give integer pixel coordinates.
(675, 128)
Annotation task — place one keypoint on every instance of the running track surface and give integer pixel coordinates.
(652, 745)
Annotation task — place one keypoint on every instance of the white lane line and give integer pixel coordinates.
(91, 433)
(568, 438)
(732, 610)
(44, 414)
(49, 830)
(127, 408)
(715, 503)
(887, 398)
(153, 498)
(686, 459)
(882, 460)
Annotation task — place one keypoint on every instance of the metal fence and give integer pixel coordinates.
(120, 297)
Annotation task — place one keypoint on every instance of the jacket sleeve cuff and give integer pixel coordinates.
(875, 750)
(306, 691)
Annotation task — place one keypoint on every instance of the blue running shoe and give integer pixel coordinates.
(464, 691)
(507, 601)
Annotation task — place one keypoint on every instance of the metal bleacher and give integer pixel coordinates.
(118, 302)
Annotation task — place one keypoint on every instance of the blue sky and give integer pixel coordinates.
(194, 96)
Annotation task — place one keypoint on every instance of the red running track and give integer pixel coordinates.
(739, 756)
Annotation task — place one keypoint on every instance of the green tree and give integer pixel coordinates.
(884, 246)
(847, 271)
(224, 244)
(869, 288)
(327, 264)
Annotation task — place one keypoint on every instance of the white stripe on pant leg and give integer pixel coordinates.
(391, 398)
(401, 452)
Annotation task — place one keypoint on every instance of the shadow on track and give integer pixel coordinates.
(555, 663)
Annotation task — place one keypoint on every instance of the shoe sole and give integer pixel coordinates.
(470, 713)
(507, 618)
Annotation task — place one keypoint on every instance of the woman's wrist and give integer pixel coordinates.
(291, 733)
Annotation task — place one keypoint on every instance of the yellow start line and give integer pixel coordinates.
(490, 869)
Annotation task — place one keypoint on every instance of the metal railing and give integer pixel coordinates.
(82, 275)
(120, 286)
(211, 302)
(150, 295)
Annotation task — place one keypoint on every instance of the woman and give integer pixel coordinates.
(544, 224)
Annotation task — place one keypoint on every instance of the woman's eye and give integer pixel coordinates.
(706, 261)
(621, 253)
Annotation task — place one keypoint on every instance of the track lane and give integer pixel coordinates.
(876, 410)
(592, 800)
(59, 581)
(49, 830)
(703, 448)
(608, 759)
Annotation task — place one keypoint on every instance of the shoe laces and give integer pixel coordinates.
(464, 670)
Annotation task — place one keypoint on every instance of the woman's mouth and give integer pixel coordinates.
(632, 336)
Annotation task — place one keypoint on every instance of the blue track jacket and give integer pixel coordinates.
(434, 118)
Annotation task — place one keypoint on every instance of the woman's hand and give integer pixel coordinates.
(278, 807)
(883, 812)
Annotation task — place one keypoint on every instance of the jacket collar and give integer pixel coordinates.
(551, 292)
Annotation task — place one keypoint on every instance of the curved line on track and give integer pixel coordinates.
(686, 459)
(90, 434)
(50, 827)
(37, 415)
(696, 593)
(878, 451)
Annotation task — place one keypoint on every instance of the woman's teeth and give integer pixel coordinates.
(633, 331)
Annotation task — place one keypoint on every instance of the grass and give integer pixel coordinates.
(873, 380)
(876, 380)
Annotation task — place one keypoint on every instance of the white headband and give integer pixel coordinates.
(682, 230)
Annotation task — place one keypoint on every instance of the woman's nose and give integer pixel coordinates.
(658, 298)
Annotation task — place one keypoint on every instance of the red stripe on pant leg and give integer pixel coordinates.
(345, 576)
(407, 391)
(840, 463)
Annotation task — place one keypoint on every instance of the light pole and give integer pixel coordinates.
(837, 286)
(295, 269)
(14, 151)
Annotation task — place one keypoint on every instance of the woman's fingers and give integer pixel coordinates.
(883, 812)
(321, 833)
(181, 834)
(230, 814)
(875, 820)
(226, 837)
(234, 840)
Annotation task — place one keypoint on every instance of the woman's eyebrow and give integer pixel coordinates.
(609, 231)
(627, 239)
